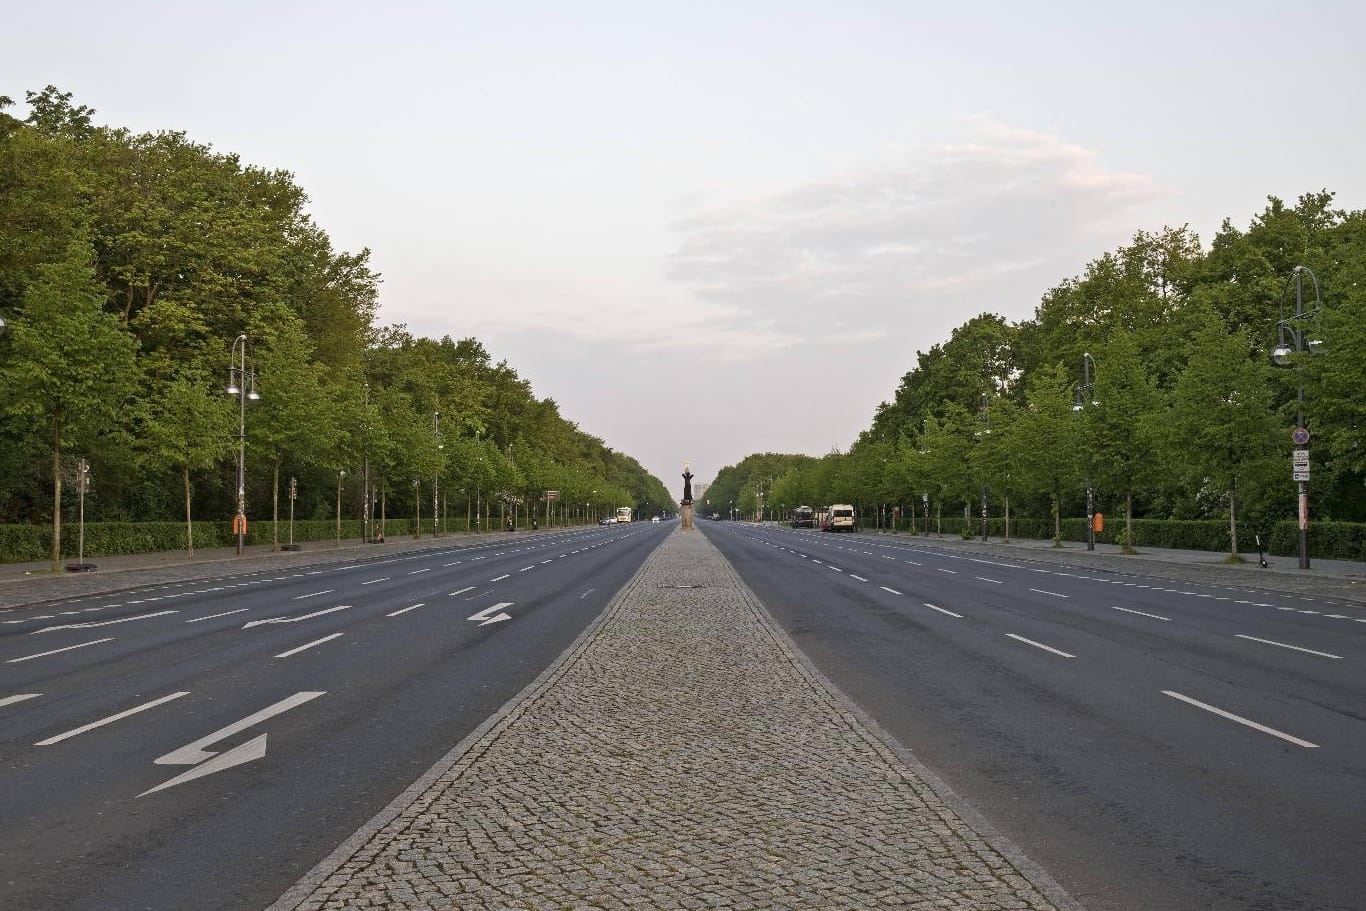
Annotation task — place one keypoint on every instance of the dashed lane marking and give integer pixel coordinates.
(1047, 648)
(1307, 651)
(1241, 720)
(56, 651)
(308, 645)
(74, 732)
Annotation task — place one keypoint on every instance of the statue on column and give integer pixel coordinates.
(687, 484)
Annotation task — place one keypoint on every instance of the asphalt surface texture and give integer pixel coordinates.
(1156, 736)
(199, 736)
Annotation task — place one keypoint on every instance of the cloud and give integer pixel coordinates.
(941, 233)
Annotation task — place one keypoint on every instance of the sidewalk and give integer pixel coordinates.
(27, 583)
(681, 754)
(1344, 579)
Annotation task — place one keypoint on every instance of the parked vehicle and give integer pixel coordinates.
(608, 520)
(803, 517)
(841, 518)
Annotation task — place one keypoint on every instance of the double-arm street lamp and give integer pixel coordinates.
(1286, 356)
(1086, 395)
(241, 383)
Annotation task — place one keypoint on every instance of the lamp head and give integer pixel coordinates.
(1316, 346)
(1283, 356)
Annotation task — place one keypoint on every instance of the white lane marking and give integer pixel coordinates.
(992, 581)
(110, 720)
(1241, 720)
(22, 697)
(58, 651)
(814, 560)
(214, 616)
(835, 568)
(1047, 648)
(951, 571)
(1141, 613)
(912, 562)
(416, 571)
(484, 617)
(316, 613)
(456, 563)
(525, 569)
(544, 562)
(373, 581)
(467, 588)
(308, 645)
(1307, 612)
(501, 578)
(313, 594)
(1336, 616)
(1307, 651)
(1045, 592)
(91, 624)
(587, 593)
(405, 610)
(860, 578)
(886, 589)
(943, 611)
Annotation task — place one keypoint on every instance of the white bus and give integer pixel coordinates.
(623, 513)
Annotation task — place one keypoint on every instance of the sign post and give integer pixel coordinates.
(1300, 475)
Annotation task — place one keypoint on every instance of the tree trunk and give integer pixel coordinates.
(1233, 522)
(1057, 519)
(1128, 523)
(56, 492)
(189, 526)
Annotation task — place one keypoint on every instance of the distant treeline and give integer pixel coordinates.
(1185, 416)
(129, 264)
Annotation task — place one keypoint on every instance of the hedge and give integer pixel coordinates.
(1327, 540)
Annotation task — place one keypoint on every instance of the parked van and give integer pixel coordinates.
(840, 518)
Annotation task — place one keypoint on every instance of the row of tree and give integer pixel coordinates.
(1149, 378)
(129, 263)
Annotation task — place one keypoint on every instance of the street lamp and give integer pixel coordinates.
(241, 383)
(341, 476)
(985, 418)
(1086, 393)
(1286, 356)
(436, 478)
(365, 471)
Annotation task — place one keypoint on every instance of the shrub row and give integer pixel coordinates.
(1327, 540)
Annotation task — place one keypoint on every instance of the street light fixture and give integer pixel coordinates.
(241, 383)
(1085, 393)
(1286, 356)
(436, 478)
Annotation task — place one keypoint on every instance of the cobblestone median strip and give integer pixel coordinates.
(681, 754)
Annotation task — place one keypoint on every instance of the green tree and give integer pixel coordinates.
(71, 364)
(1043, 442)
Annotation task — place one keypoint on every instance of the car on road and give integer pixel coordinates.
(655, 519)
(608, 520)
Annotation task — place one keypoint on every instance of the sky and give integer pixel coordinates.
(707, 229)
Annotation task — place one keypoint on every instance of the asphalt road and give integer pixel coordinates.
(1154, 745)
(204, 744)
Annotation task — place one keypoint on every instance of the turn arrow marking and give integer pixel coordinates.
(317, 613)
(251, 750)
(483, 615)
(193, 753)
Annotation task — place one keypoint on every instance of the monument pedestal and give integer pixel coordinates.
(685, 512)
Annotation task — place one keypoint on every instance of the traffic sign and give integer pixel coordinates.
(1300, 475)
(1301, 458)
(1300, 436)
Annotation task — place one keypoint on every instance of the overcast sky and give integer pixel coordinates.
(708, 229)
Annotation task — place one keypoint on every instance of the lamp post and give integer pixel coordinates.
(1286, 356)
(241, 383)
(1086, 393)
(365, 472)
(985, 418)
(436, 478)
(341, 476)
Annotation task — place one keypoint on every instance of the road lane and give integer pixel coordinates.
(1132, 797)
(102, 825)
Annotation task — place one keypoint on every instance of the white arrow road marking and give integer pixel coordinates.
(251, 750)
(193, 753)
(318, 613)
(58, 651)
(94, 623)
(110, 720)
(22, 697)
(483, 615)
